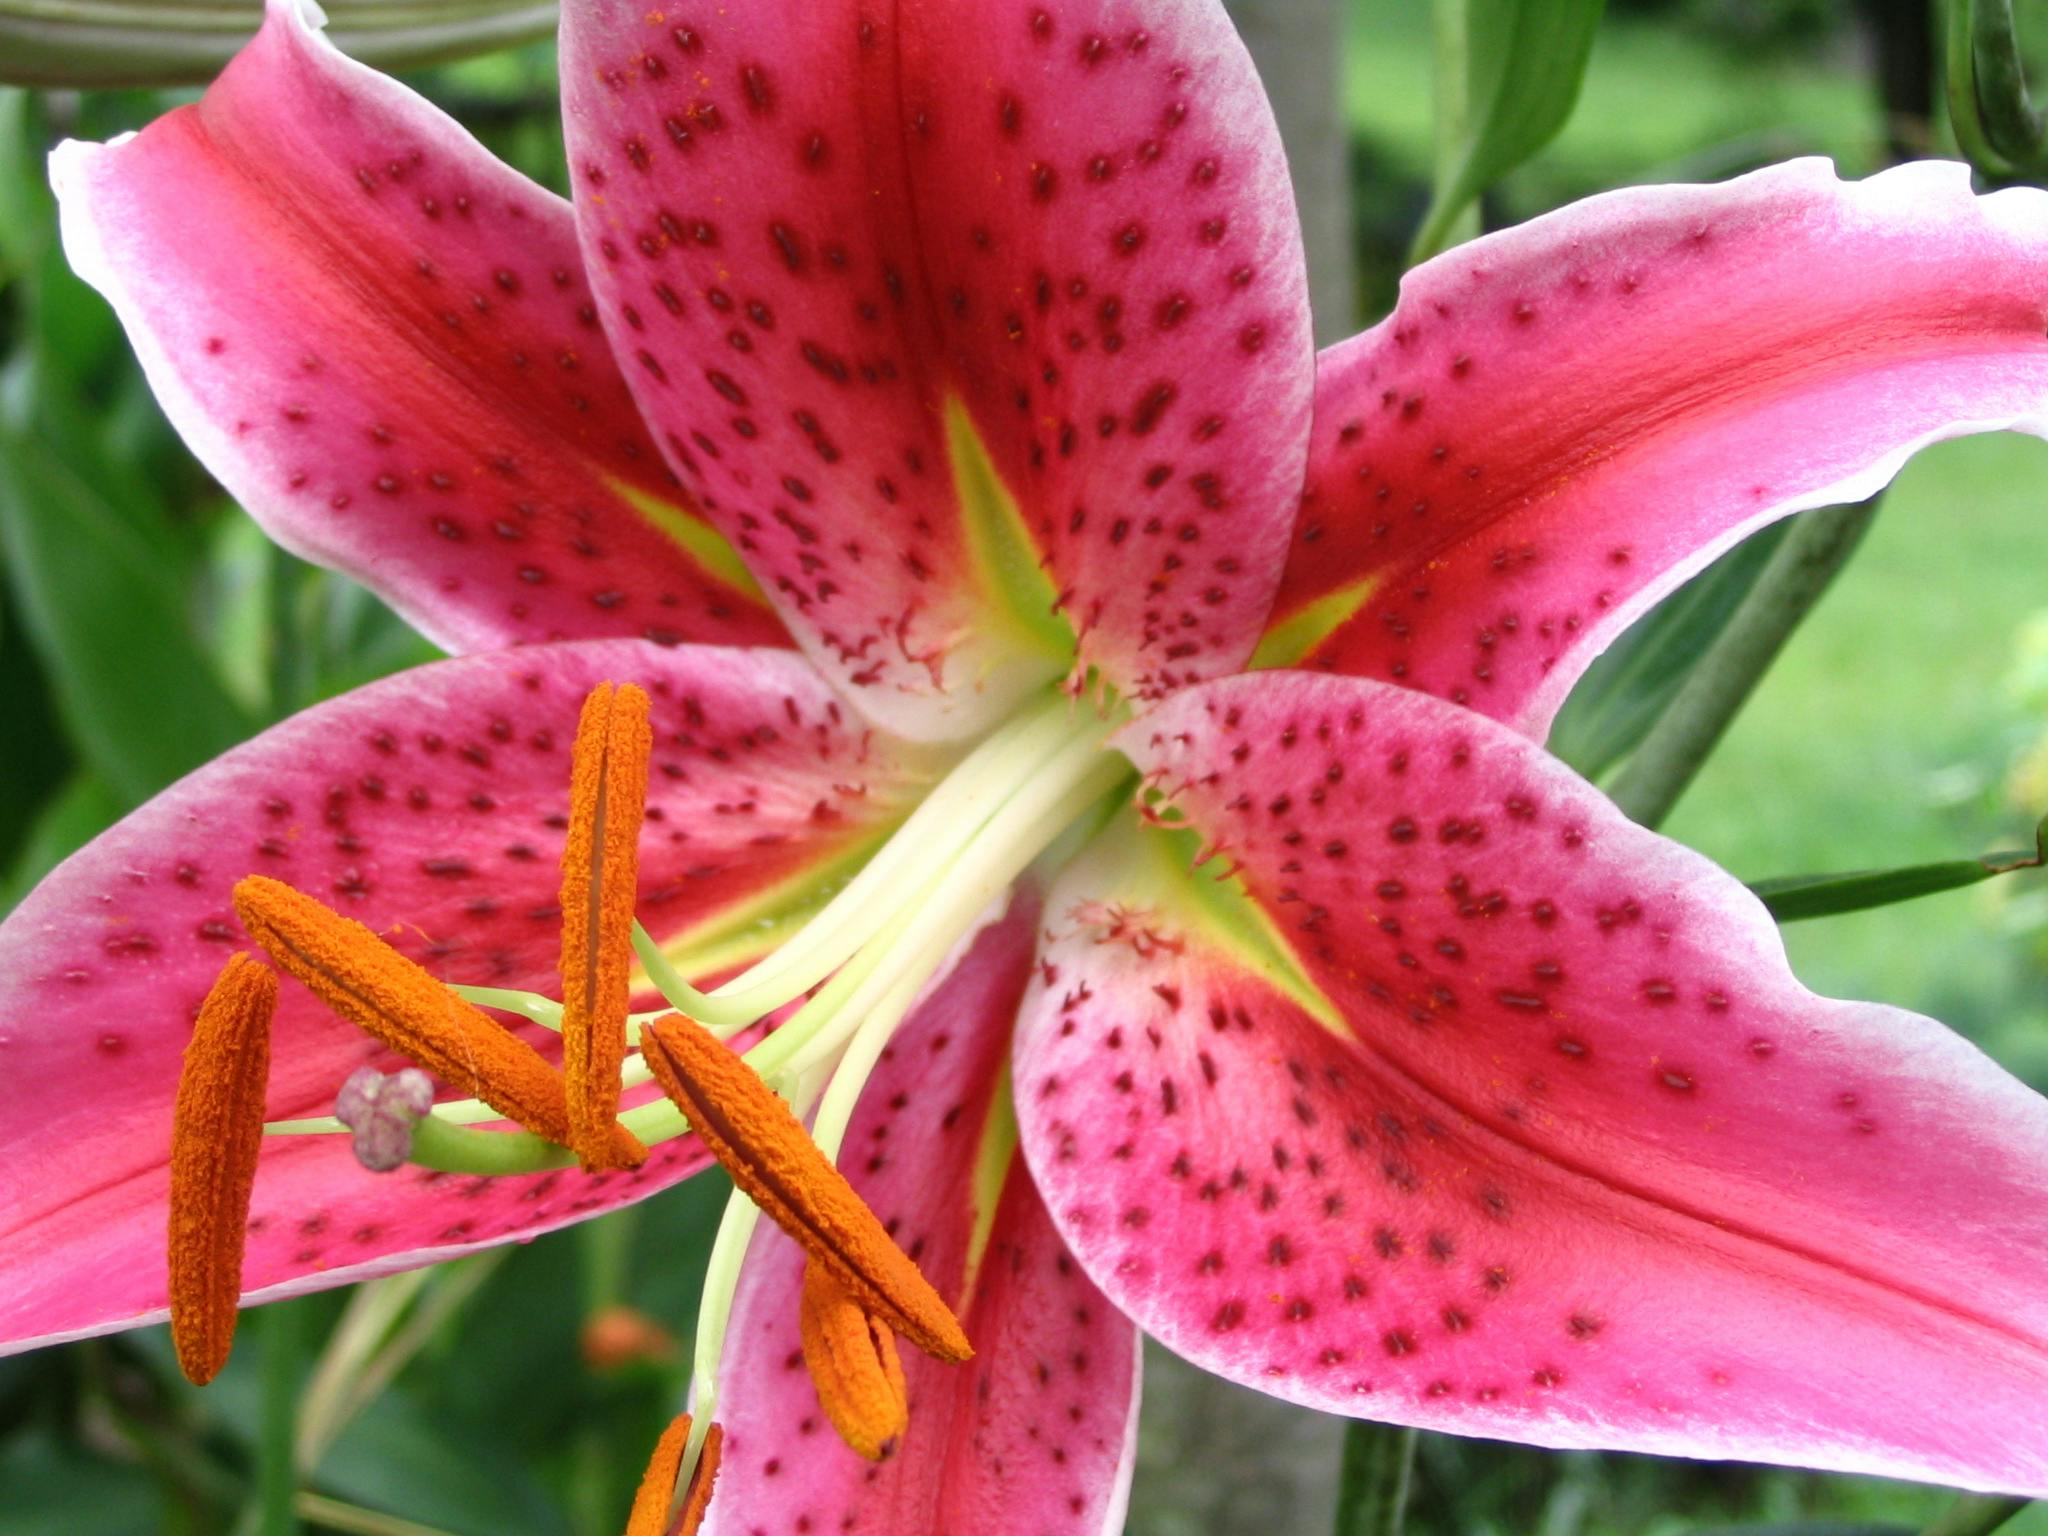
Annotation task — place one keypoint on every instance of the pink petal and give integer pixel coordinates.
(1037, 1431)
(380, 340)
(1560, 423)
(430, 806)
(1571, 1158)
(817, 224)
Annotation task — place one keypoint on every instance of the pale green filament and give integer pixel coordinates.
(721, 1284)
(874, 947)
(1044, 780)
(941, 825)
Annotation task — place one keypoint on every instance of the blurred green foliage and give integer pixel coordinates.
(145, 625)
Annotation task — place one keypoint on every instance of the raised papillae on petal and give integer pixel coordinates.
(380, 340)
(761, 1143)
(1037, 1432)
(215, 1138)
(600, 880)
(1490, 1112)
(976, 331)
(432, 808)
(1559, 423)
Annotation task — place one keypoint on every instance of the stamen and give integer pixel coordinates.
(600, 874)
(216, 1133)
(765, 1148)
(376, 988)
(852, 1360)
(658, 1486)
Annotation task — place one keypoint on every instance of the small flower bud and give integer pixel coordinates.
(382, 1112)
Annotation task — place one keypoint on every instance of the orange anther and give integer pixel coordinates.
(765, 1148)
(600, 871)
(373, 986)
(853, 1364)
(216, 1133)
(658, 1485)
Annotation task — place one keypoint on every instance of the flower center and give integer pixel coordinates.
(1044, 777)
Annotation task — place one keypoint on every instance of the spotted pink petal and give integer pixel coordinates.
(1560, 423)
(381, 341)
(1036, 1432)
(1541, 1140)
(828, 236)
(431, 806)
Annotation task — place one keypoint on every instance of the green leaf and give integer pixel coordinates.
(1798, 897)
(398, 1458)
(1808, 1528)
(51, 1489)
(99, 43)
(1626, 690)
(1527, 59)
(1372, 1487)
(1998, 83)
(135, 690)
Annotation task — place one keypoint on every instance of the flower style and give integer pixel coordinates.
(918, 405)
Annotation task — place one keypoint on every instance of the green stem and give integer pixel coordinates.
(1447, 223)
(333, 1515)
(1975, 1514)
(1965, 116)
(605, 1247)
(1811, 556)
(1372, 1495)
(2008, 116)
(276, 1471)
(374, 1310)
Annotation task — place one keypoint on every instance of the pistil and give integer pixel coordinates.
(216, 1133)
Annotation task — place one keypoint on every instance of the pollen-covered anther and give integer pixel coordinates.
(657, 1492)
(377, 989)
(852, 1359)
(381, 1111)
(765, 1148)
(600, 872)
(216, 1134)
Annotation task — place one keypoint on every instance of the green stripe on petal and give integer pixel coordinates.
(696, 538)
(1287, 640)
(767, 918)
(1156, 871)
(1006, 557)
(993, 1156)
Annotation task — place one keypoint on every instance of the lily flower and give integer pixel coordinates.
(1092, 769)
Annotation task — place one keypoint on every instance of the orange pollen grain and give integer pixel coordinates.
(657, 1492)
(853, 1363)
(748, 1128)
(377, 989)
(216, 1134)
(600, 873)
